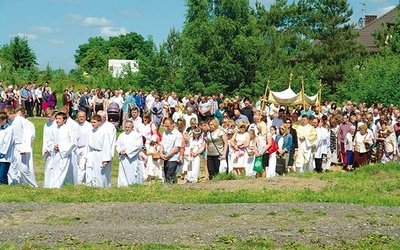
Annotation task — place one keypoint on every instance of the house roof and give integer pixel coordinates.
(367, 31)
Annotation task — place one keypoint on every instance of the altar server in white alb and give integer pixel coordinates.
(64, 145)
(49, 130)
(19, 172)
(73, 125)
(110, 130)
(30, 135)
(6, 148)
(128, 146)
(85, 128)
(98, 167)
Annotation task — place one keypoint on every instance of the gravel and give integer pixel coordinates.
(193, 224)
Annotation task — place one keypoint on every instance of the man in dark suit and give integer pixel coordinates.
(84, 104)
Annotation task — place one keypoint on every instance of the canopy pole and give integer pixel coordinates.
(302, 94)
(320, 95)
(265, 97)
(290, 79)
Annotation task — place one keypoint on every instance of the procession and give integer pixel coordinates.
(167, 138)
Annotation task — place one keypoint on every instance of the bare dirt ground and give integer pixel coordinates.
(199, 224)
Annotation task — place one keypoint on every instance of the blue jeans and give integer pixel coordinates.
(4, 167)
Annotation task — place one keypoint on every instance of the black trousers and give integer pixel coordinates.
(213, 163)
(318, 165)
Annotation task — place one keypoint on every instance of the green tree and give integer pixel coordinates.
(388, 38)
(18, 54)
(197, 39)
(83, 49)
(284, 45)
(221, 46)
(326, 23)
(94, 62)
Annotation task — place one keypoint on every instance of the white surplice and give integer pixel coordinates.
(99, 148)
(47, 150)
(85, 129)
(19, 172)
(130, 165)
(72, 177)
(60, 171)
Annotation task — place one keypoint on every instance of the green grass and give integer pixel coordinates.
(370, 185)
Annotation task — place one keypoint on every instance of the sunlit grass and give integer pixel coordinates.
(370, 185)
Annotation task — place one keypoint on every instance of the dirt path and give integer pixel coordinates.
(49, 223)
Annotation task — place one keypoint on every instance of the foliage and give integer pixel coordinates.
(18, 54)
(334, 40)
(92, 57)
(388, 38)
(374, 81)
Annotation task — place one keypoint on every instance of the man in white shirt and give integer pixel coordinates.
(150, 100)
(170, 148)
(136, 119)
(172, 102)
(188, 116)
(38, 100)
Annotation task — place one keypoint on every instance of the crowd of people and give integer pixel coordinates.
(233, 135)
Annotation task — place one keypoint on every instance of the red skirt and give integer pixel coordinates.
(45, 105)
(360, 159)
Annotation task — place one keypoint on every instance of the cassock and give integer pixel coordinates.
(61, 165)
(305, 146)
(130, 165)
(47, 150)
(99, 148)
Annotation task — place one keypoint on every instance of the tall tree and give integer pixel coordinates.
(221, 46)
(18, 54)
(94, 61)
(83, 49)
(197, 39)
(283, 40)
(326, 24)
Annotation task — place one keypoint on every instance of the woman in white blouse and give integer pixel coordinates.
(361, 145)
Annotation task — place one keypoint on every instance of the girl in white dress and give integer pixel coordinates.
(196, 146)
(154, 167)
(251, 151)
(240, 143)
